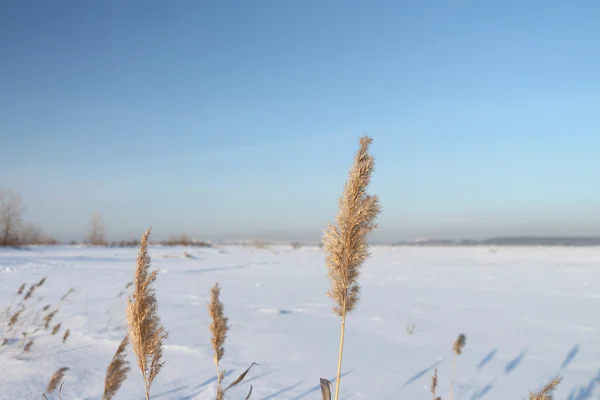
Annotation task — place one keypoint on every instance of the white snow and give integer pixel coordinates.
(529, 314)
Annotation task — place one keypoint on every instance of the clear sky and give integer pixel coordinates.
(239, 119)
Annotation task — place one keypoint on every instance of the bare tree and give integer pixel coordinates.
(11, 215)
(30, 234)
(96, 232)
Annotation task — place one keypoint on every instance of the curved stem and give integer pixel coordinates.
(339, 368)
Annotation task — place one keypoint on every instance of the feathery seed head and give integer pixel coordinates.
(41, 282)
(434, 381)
(116, 373)
(21, 288)
(48, 318)
(56, 328)
(66, 335)
(546, 392)
(14, 318)
(30, 292)
(146, 333)
(459, 344)
(218, 326)
(56, 379)
(346, 244)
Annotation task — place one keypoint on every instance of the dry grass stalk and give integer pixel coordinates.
(64, 296)
(218, 328)
(66, 335)
(57, 378)
(457, 347)
(21, 289)
(14, 318)
(30, 292)
(116, 373)
(48, 318)
(410, 328)
(346, 244)
(19, 292)
(56, 328)
(46, 307)
(41, 282)
(28, 346)
(145, 330)
(546, 392)
(434, 382)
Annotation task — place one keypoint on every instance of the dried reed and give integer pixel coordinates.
(346, 244)
(457, 347)
(145, 330)
(434, 382)
(218, 328)
(56, 328)
(116, 373)
(57, 378)
(66, 335)
(546, 392)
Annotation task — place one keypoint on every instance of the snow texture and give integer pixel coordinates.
(529, 314)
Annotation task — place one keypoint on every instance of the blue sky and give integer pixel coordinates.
(228, 119)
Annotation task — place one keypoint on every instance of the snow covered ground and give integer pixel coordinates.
(529, 314)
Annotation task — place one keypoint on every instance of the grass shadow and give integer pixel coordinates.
(585, 392)
(487, 358)
(422, 373)
(198, 389)
(570, 356)
(514, 363)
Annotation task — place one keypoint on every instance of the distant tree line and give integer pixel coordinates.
(14, 232)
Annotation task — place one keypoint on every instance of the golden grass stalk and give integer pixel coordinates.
(57, 378)
(66, 335)
(434, 382)
(48, 318)
(14, 318)
(346, 244)
(64, 296)
(117, 370)
(218, 329)
(28, 346)
(546, 392)
(457, 347)
(145, 330)
(56, 328)
(21, 288)
(30, 292)
(41, 282)
(19, 292)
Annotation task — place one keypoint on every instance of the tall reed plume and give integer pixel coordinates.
(457, 347)
(218, 329)
(55, 380)
(546, 392)
(346, 244)
(116, 373)
(145, 330)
